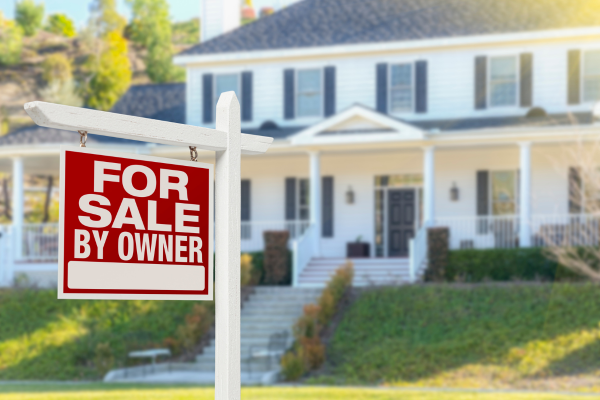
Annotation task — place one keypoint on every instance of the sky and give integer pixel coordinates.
(77, 10)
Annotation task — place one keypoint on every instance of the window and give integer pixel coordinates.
(401, 91)
(503, 81)
(310, 93)
(226, 83)
(303, 199)
(504, 192)
(591, 76)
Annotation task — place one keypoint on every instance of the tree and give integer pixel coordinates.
(151, 28)
(56, 67)
(29, 16)
(105, 19)
(11, 41)
(186, 32)
(112, 73)
(60, 24)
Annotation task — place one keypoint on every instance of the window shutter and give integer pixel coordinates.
(575, 194)
(421, 86)
(482, 200)
(247, 96)
(288, 94)
(526, 79)
(327, 209)
(290, 199)
(245, 206)
(574, 77)
(480, 82)
(207, 98)
(382, 88)
(329, 91)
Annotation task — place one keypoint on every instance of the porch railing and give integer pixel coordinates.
(39, 242)
(252, 232)
(482, 232)
(565, 230)
(302, 252)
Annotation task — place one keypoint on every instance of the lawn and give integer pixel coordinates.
(118, 392)
(524, 336)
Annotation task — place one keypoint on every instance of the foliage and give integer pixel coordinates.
(186, 32)
(245, 269)
(437, 248)
(45, 338)
(504, 265)
(151, 28)
(104, 359)
(112, 73)
(29, 16)
(60, 92)
(11, 41)
(61, 24)
(293, 365)
(104, 18)
(56, 67)
(197, 324)
(501, 336)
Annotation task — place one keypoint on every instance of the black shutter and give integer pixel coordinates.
(207, 98)
(247, 96)
(574, 77)
(382, 87)
(288, 94)
(526, 79)
(245, 211)
(329, 91)
(327, 209)
(421, 86)
(290, 199)
(575, 194)
(480, 82)
(483, 207)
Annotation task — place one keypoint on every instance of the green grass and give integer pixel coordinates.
(123, 392)
(45, 338)
(544, 336)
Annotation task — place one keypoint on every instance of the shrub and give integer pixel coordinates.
(437, 249)
(313, 351)
(104, 359)
(276, 257)
(29, 16)
(60, 24)
(197, 323)
(504, 265)
(56, 67)
(245, 269)
(11, 41)
(293, 365)
(62, 93)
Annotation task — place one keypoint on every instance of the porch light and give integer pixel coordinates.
(350, 196)
(454, 194)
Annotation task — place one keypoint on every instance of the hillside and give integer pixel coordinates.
(526, 336)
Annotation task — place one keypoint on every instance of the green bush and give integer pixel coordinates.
(61, 24)
(11, 41)
(29, 16)
(504, 265)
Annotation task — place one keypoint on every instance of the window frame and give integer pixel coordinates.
(584, 54)
(516, 189)
(321, 92)
(517, 80)
(238, 91)
(411, 110)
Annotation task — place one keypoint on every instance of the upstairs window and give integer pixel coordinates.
(591, 76)
(503, 81)
(226, 83)
(309, 93)
(401, 88)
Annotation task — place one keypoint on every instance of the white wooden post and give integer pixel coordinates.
(227, 241)
(18, 202)
(429, 186)
(525, 195)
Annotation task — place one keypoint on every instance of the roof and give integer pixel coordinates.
(164, 102)
(312, 23)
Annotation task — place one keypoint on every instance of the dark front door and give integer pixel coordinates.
(401, 221)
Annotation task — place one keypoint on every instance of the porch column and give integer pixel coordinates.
(428, 186)
(18, 201)
(315, 199)
(525, 195)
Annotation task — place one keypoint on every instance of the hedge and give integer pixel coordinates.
(504, 265)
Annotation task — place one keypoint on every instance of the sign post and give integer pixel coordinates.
(229, 143)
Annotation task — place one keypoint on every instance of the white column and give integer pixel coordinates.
(18, 201)
(525, 195)
(315, 200)
(428, 186)
(227, 257)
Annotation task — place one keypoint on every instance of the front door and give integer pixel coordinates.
(401, 221)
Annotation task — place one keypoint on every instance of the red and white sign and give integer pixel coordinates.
(134, 227)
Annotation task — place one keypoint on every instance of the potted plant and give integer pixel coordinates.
(357, 249)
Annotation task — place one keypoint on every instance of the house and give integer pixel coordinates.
(390, 117)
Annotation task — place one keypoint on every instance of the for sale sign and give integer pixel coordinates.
(134, 227)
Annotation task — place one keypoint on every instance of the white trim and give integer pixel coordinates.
(406, 45)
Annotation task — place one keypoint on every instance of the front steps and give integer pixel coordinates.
(367, 271)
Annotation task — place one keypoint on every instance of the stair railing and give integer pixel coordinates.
(418, 254)
(302, 252)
